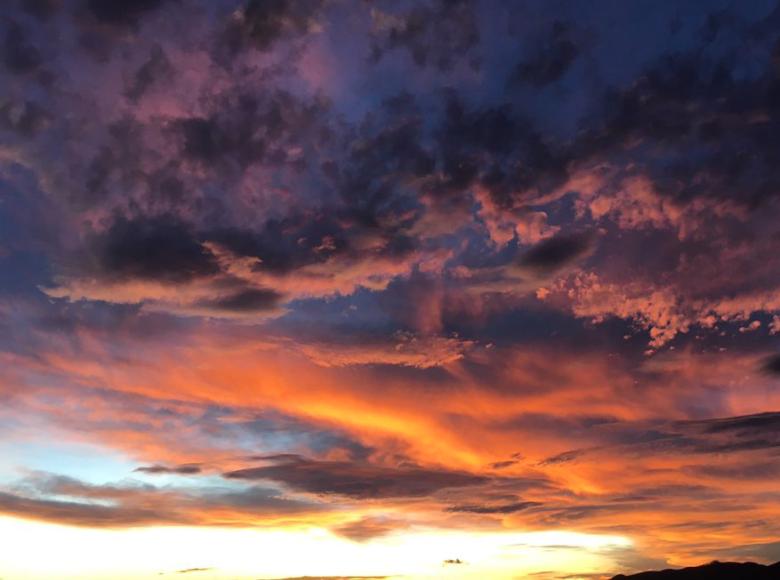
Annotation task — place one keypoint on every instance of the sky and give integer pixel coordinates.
(388, 289)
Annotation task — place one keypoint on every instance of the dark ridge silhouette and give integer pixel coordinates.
(713, 571)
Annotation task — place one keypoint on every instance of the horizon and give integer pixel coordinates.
(368, 289)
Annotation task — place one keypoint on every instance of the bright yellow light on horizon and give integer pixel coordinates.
(41, 551)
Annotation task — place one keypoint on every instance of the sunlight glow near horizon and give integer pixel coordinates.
(88, 554)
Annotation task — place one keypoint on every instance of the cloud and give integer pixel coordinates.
(356, 480)
(261, 23)
(249, 300)
(81, 514)
(509, 508)
(407, 349)
(25, 118)
(523, 163)
(369, 528)
(564, 457)
(707, 436)
(69, 501)
(556, 252)
(41, 9)
(160, 248)
(155, 69)
(551, 60)
(740, 472)
(186, 469)
(772, 365)
(742, 426)
(664, 312)
(434, 33)
(19, 55)
(122, 12)
(354, 260)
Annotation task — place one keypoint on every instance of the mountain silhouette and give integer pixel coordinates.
(713, 571)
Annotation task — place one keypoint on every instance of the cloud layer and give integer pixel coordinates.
(375, 267)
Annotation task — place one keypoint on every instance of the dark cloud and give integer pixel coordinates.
(748, 446)
(356, 480)
(733, 434)
(435, 33)
(246, 301)
(564, 457)
(550, 61)
(111, 166)
(256, 500)
(41, 9)
(772, 365)
(556, 252)
(284, 245)
(508, 508)
(745, 471)
(84, 514)
(158, 248)
(386, 152)
(246, 128)
(498, 148)
(25, 118)
(729, 435)
(205, 141)
(743, 425)
(157, 68)
(262, 23)
(122, 12)
(20, 56)
(682, 122)
(185, 469)
(267, 20)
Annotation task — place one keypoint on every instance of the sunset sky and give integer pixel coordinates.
(423, 289)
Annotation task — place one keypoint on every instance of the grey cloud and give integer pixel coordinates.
(356, 480)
